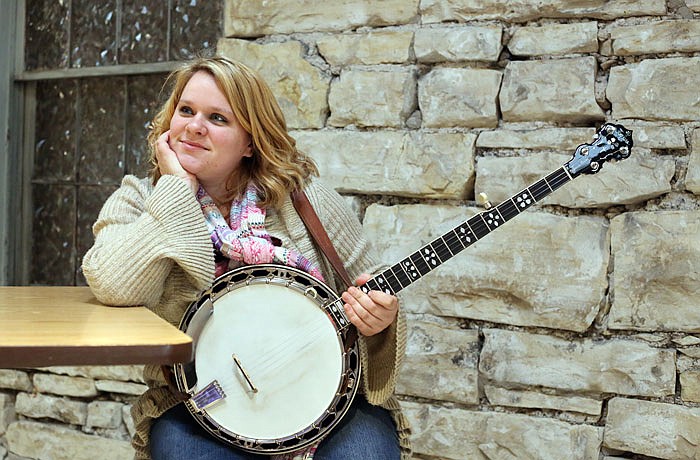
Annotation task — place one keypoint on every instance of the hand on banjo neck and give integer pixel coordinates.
(370, 312)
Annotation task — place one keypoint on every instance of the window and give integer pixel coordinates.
(91, 74)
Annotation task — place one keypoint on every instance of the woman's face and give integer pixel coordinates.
(205, 134)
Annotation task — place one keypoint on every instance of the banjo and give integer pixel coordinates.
(273, 370)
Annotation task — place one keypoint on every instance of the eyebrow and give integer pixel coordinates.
(212, 109)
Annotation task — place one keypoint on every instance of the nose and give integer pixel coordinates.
(196, 125)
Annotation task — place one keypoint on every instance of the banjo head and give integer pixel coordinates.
(271, 373)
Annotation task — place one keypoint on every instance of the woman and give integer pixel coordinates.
(218, 197)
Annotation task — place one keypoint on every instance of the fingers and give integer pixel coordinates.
(167, 158)
(362, 279)
(371, 313)
(168, 162)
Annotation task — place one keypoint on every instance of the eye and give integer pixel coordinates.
(218, 118)
(186, 110)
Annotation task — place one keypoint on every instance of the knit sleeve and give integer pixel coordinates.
(140, 233)
(382, 353)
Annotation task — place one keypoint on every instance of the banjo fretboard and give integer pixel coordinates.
(446, 246)
(612, 142)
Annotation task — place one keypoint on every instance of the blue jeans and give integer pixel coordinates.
(366, 432)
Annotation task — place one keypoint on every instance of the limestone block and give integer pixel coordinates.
(657, 37)
(253, 18)
(657, 260)
(372, 98)
(686, 341)
(114, 386)
(525, 10)
(374, 47)
(539, 270)
(300, 88)
(667, 431)
(532, 399)
(559, 90)
(657, 136)
(440, 362)
(128, 420)
(690, 386)
(462, 97)
(104, 414)
(414, 163)
(656, 89)
(7, 412)
(46, 441)
(693, 352)
(633, 180)
(554, 39)
(685, 363)
(44, 406)
(455, 44)
(563, 139)
(618, 366)
(462, 434)
(122, 373)
(12, 379)
(63, 385)
(692, 178)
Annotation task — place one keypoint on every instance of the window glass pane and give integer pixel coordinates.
(55, 138)
(46, 35)
(102, 130)
(93, 33)
(196, 26)
(144, 35)
(143, 101)
(53, 234)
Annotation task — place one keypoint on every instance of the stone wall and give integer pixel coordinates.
(571, 333)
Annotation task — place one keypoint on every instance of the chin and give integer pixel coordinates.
(188, 164)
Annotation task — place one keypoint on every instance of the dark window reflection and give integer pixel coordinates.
(85, 33)
(144, 34)
(46, 26)
(93, 33)
(82, 128)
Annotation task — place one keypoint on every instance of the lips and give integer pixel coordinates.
(192, 145)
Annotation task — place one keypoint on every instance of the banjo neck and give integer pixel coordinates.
(443, 248)
(612, 142)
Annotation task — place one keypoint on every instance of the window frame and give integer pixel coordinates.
(18, 120)
(12, 165)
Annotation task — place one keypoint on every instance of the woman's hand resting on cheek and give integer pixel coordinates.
(370, 313)
(169, 164)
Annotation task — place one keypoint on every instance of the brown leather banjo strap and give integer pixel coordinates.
(313, 224)
(318, 233)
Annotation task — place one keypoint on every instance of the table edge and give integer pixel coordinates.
(47, 356)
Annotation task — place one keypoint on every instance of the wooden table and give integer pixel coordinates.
(66, 326)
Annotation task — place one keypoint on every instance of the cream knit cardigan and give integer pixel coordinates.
(152, 248)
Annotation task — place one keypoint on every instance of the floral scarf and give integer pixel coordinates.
(244, 240)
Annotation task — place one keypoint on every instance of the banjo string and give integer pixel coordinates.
(290, 345)
(284, 350)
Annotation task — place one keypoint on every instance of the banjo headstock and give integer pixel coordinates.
(611, 142)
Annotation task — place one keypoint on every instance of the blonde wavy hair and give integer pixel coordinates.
(276, 166)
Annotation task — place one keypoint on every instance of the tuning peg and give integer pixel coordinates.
(483, 200)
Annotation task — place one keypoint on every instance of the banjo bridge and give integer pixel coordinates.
(210, 394)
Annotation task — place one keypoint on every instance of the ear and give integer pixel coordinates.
(248, 151)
